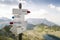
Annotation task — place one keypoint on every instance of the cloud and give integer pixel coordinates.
(53, 17)
(2, 0)
(58, 9)
(5, 11)
(51, 6)
(54, 7)
(6, 8)
(37, 14)
(22, 1)
(43, 11)
(9, 2)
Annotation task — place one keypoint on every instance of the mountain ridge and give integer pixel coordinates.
(36, 21)
(31, 22)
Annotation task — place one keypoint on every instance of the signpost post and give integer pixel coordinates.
(19, 25)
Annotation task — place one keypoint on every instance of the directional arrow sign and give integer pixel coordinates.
(20, 11)
(20, 24)
(18, 20)
(18, 28)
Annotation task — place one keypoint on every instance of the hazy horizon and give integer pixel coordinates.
(49, 9)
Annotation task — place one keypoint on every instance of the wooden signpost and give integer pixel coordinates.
(19, 25)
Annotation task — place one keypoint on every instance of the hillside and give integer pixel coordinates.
(6, 34)
(4, 21)
(36, 34)
(30, 26)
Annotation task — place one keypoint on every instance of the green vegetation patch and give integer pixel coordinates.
(5, 38)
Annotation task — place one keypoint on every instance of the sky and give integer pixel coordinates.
(48, 9)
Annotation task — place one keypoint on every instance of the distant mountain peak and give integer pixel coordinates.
(4, 19)
(36, 21)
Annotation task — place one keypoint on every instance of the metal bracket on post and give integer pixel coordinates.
(20, 6)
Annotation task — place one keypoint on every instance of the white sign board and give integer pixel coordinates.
(19, 25)
(20, 11)
(18, 20)
(17, 30)
(21, 30)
